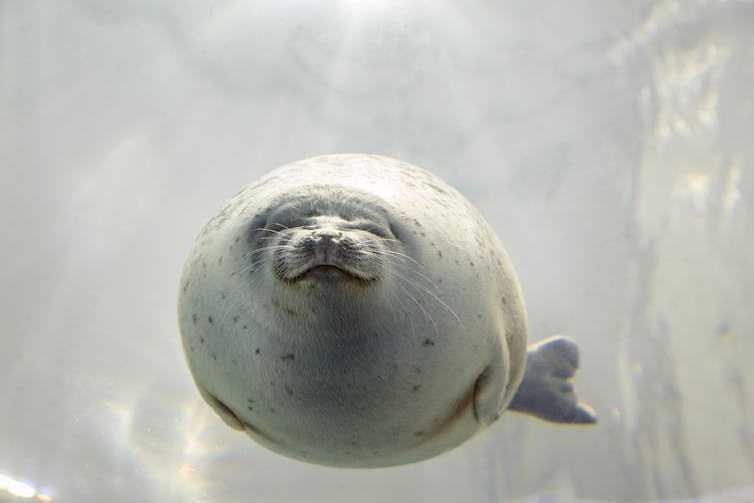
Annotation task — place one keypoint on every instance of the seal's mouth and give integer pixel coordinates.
(328, 255)
(331, 273)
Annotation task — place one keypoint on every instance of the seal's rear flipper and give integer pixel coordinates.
(545, 391)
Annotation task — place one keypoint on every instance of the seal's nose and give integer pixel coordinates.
(327, 234)
(327, 244)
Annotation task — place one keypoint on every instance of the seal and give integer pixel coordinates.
(354, 310)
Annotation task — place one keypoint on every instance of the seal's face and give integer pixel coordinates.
(323, 236)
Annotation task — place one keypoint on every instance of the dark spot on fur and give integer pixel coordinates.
(235, 319)
(191, 348)
(479, 316)
(256, 351)
(238, 238)
(288, 390)
(439, 253)
(428, 342)
(471, 263)
(185, 287)
(214, 356)
(220, 260)
(416, 387)
(245, 327)
(288, 357)
(249, 407)
(223, 296)
(194, 318)
(211, 321)
(201, 340)
(419, 434)
(505, 301)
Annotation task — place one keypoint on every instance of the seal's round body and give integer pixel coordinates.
(353, 310)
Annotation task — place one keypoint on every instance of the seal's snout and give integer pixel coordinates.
(326, 246)
(329, 252)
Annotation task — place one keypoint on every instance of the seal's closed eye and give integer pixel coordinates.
(374, 228)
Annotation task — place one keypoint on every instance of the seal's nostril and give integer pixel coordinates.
(327, 234)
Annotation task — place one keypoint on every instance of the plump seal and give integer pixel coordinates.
(353, 310)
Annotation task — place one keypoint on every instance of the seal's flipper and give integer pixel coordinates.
(222, 410)
(545, 391)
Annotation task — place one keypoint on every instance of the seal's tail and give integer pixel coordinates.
(545, 391)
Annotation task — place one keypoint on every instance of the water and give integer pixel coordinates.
(609, 144)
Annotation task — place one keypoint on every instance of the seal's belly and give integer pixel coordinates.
(353, 400)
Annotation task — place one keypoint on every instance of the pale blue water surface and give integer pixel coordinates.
(608, 143)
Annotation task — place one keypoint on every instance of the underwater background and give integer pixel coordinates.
(609, 144)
